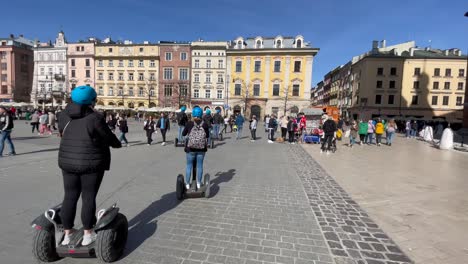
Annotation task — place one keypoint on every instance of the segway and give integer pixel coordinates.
(111, 229)
(182, 192)
(177, 143)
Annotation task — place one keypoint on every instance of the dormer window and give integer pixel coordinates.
(299, 43)
(278, 43)
(239, 44)
(259, 44)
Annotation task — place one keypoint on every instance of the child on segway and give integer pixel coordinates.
(197, 133)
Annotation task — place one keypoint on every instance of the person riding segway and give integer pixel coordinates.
(197, 133)
(84, 156)
(182, 120)
(208, 119)
(218, 121)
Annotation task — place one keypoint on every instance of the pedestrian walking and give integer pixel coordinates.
(84, 156)
(379, 130)
(6, 127)
(44, 123)
(370, 132)
(291, 129)
(112, 122)
(414, 128)
(272, 126)
(217, 123)
(253, 128)
(363, 126)
(123, 127)
(35, 122)
(164, 125)
(52, 121)
(391, 130)
(150, 127)
(182, 120)
(267, 122)
(353, 132)
(284, 126)
(408, 129)
(226, 124)
(329, 129)
(240, 124)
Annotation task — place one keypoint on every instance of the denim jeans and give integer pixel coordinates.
(216, 131)
(408, 133)
(390, 136)
(369, 138)
(413, 132)
(179, 133)
(239, 132)
(352, 140)
(191, 156)
(123, 138)
(210, 137)
(378, 138)
(6, 136)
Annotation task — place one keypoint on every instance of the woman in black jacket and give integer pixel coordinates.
(84, 155)
(164, 125)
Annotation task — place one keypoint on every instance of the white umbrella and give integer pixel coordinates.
(153, 109)
(22, 104)
(167, 109)
(188, 111)
(6, 103)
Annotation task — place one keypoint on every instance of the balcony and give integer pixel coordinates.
(59, 77)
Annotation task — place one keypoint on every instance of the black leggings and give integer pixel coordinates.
(149, 134)
(362, 137)
(291, 136)
(327, 140)
(253, 133)
(163, 133)
(35, 125)
(283, 132)
(87, 185)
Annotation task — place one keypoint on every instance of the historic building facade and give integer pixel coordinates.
(80, 57)
(209, 77)
(50, 82)
(174, 74)
(270, 75)
(126, 74)
(16, 69)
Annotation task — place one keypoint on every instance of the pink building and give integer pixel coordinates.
(16, 69)
(80, 59)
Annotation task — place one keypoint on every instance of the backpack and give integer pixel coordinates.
(197, 137)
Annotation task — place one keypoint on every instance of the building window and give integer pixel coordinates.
(437, 72)
(167, 73)
(168, 56)
(110, 50)
(391, 99)
(414, 100)
(121, 76)
(88, 74)
(459, 100)
(130, 63)
(101, 90)
(417, 71)
(256, 89)
(220, 64)
(447, 86)
(141, 77)
(111, 76)
(237, 89)
(196, 77)
(130, 76)
(121, 63)
(87, 63)
(141, 63)
(379, 84)
(152, 76)
(130, 91)
(297, 66)
(51, 70)
(461, 73)
(120, 92)
(4, 89)
(73, 74)
(277, 66)
(460, 86)
(391, 84)
(141, 92)
(141, 49)
(278, 43)
(152, 63)
(73, 62)
(183, 88)
(378, 99)
(197, 63)
(416, 85)
(183, 74)
(448, 72)
(435, 85)
(42, 70)
(380, 71)
(100, 76)
(445, 100)
(196, 93)
(111, 91)
(258, 45)
(207, 94)
(167, 90)
(238, 66)
(4, 77)
(208, 64)
(258, 66)
(393, 71)
(208, 78)
(152, 92)
(100, 63)
(60, 70)
(183, 56)
(295, 91)
(435, 98)
(276, 89)
(219, 94)
(220, 78)
(111, 63)
(299, 43)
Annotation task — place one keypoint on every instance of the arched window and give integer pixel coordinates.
(110, 103)
(299, 43)
(259, 44)
(278, 43)
(239, 44)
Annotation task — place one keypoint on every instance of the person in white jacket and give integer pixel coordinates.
(253, 128)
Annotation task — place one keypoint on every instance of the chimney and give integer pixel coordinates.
(411, 52)
(12, 36)
(21, 35)
(375, 44)
(383, 44)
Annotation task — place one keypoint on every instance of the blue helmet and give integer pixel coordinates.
(197, 112)
(218, 110)
(83, 95)
(208, 112)
(183, 108)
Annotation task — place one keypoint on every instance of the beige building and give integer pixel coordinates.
(127, 74)
(209, 75)
(80, 57)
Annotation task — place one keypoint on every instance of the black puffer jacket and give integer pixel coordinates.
(86, 138)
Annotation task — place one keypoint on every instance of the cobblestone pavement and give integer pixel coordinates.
(270, 203)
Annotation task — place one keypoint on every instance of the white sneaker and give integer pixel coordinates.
(321, 151)
(66, 239)
(88, 239)
(149, 144)
(198, 185)
(293, 143)
(328, 152)
(187, 186)
(269, 141)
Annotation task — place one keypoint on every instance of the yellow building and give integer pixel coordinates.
(269, 75)
(127, 74)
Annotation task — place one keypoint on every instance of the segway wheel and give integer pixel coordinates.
(221, 136)
(110, 242)
(207, 185)
(180, 187)
(176, 141)
(44, 246)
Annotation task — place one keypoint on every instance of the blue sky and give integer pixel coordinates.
(340, 28)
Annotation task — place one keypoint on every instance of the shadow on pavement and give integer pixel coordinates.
(221, 177)
(31, 137)
(38, 151)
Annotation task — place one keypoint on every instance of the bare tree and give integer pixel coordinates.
(150, 89)
(244, 93)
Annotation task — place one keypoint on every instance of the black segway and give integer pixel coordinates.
(182, 192)
(178, 143)
(111, 229)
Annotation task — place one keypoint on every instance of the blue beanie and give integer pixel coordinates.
(183, 108)
(197, 112)
(83, 95)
